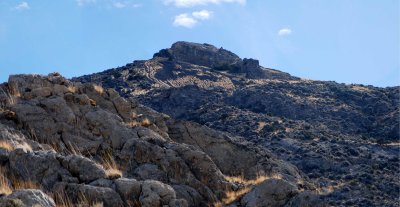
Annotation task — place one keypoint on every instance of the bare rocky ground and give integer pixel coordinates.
(345, 138)
(66, 143)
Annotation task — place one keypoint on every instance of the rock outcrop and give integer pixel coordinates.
(85, 144)
(344, 137)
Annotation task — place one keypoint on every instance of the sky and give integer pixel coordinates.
(347, 41)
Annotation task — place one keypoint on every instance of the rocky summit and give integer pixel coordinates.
(196, 125)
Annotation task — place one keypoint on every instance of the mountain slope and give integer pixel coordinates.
(84, 143)
(344, 137)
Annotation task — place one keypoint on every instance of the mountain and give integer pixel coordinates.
(65, 143)
(345, 138)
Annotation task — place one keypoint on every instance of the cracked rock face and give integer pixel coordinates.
(344, 137)
(87, 144)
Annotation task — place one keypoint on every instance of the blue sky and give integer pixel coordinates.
(348, 41)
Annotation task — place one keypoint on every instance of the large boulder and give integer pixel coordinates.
(27, 198)
(90, 194)
(83, 168)
(155, 193)
(272, 192)
(39, 167)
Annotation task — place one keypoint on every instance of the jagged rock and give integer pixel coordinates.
(150, 171)
(155, 194)
(272, 192)
(93, 194)
(83, 168)
(189, 194)
(28, 198)
(128, 189)
(39, 167)
(305, 199)
(178, 203)
(199, 54)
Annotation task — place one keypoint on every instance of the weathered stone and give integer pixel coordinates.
(84, 168)
(272, 192)
(30, 197)
(128, 189)
(155, 193)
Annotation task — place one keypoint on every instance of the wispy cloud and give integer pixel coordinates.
(119, 5)
(84, 2)
(22, 6)
(202, 15)
(192, 3)
(184, 20)
(125, 4)
(284, 31)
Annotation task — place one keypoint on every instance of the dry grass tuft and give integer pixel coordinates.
(231, 196)
(132, 123)
(9, 184)
(240, 179)
(71, 89)
(24, 146)
(5, 187)
(145, 122)
(92, 102)
(73, 149)
(98, 89)
(21, 184)
(63, 200)
(6, 145)
(111, 167)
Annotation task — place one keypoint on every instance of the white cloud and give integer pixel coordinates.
(83, 2)
(202, 15)
(284, 31)
(22, 6)
(192, 3)
(184, 20)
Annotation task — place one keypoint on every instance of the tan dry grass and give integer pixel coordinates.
(111, 167)
(6, 145)
(99, 89)
(231, 196)
(63, 200)
(11, 183)
(5, 187)
(145, 122)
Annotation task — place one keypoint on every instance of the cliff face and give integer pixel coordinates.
(85, 144)
(344, 137)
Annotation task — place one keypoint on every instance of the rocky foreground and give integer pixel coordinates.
(345, 138)
(66, 143)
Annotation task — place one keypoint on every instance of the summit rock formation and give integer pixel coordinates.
(344, 138)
